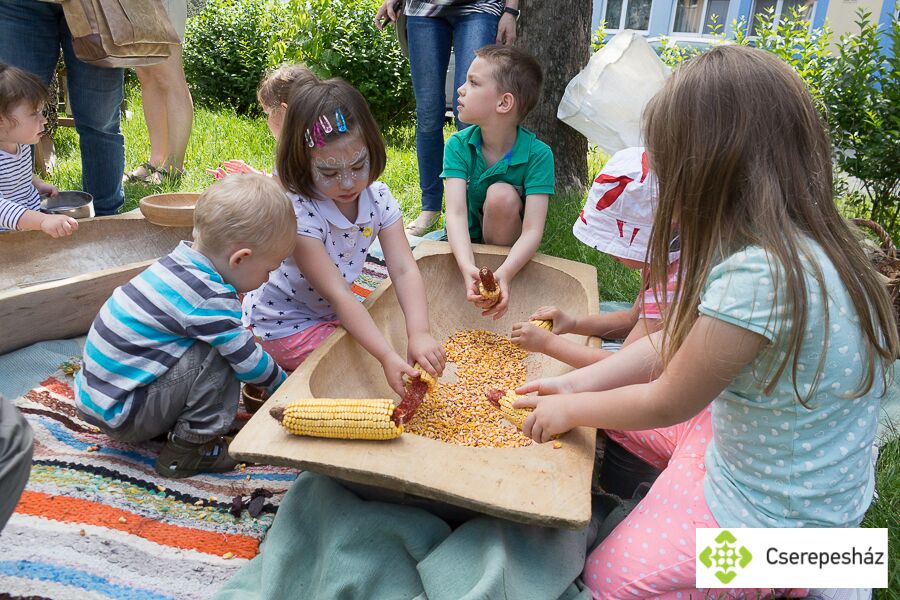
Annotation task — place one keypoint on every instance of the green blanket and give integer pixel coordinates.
(327, 542)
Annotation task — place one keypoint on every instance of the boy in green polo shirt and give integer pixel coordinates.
(499, 176)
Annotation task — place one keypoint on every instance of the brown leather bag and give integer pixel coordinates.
(120, 33)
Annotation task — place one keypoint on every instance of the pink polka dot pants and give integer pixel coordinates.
(651, 554)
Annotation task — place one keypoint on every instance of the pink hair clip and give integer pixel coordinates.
(326, 125)
(319, 137)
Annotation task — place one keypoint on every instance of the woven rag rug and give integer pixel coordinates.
(96, 521)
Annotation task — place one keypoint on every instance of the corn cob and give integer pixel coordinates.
(487, 285)
(503, 401)
(416, 389)
(543, 324)
(424, 376)
(341, 418)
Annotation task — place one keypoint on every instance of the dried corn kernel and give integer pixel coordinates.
(456, 412)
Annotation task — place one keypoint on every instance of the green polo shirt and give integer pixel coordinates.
(528, 167)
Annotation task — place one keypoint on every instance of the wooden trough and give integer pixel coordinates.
(53, 288)
(535, 484)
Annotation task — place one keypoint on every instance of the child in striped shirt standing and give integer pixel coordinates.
(22, 100)
(167, 351)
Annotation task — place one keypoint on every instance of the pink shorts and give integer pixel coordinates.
(290, 351)
(651, 554)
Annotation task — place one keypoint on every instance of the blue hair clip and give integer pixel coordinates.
(326, 125)
(339, 121)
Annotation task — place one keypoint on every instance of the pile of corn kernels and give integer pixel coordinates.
(458, 412)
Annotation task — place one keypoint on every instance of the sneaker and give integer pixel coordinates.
(180, 458)
(423, 223)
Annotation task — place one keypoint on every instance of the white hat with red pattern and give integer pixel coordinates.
(618, 215)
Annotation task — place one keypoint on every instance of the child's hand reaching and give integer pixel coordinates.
(57, 226)
(473, 293)
(46, 189)
(549, 417)
(231, 167)
(426, 351)
(562, 323)
(529, 337)
(394, 369)
(547, 386)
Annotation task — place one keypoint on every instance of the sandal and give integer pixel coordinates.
(143, 174)
(422, 224)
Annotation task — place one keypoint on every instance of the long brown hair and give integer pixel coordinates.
(310, 100)
(743, 160)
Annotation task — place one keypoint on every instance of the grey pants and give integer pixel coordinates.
(197, 399)
(15, 457)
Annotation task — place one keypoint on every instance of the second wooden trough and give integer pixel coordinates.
(535, 484)
(53, 288)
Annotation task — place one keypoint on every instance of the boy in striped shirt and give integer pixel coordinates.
(22, 100)
(167, 351)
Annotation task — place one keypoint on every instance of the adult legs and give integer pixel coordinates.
(429, 41)
(168, 111)
(470, 33)
(96, 97)
(32, 31)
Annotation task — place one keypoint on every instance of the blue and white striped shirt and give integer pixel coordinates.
(17, 193)
(149, 323)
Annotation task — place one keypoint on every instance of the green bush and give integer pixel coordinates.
(862, 106)
(856, 89)
(339, 39)
(226, 51)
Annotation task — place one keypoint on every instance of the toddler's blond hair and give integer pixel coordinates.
(243, 210)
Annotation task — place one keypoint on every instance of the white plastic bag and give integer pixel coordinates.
(604, 102)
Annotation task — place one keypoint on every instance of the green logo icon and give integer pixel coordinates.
(726, 557)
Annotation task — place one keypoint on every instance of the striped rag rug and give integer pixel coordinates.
(96, 521)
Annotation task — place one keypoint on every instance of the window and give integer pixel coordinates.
(781, 8)
(699, 16)
(628, 14)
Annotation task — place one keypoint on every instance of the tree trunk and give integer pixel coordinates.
(558, 34)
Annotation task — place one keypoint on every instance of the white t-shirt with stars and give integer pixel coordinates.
(287, 304)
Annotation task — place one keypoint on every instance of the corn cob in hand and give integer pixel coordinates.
(547, 324)
(341, 418)
(487, 286)
(416, 389)
(503, 401)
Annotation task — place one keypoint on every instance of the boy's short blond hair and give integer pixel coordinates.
(517, 72)
(243, 210)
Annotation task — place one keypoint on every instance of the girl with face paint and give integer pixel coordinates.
(330, 154)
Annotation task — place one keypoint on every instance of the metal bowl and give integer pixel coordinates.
(78, 205)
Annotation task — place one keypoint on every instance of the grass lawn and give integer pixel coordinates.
(221, 135)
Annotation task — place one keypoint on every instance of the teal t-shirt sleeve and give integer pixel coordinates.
(456, 159)
(541, 178)
(740, 291)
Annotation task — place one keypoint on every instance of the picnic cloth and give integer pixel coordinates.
(327, 542)
(96, 521)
